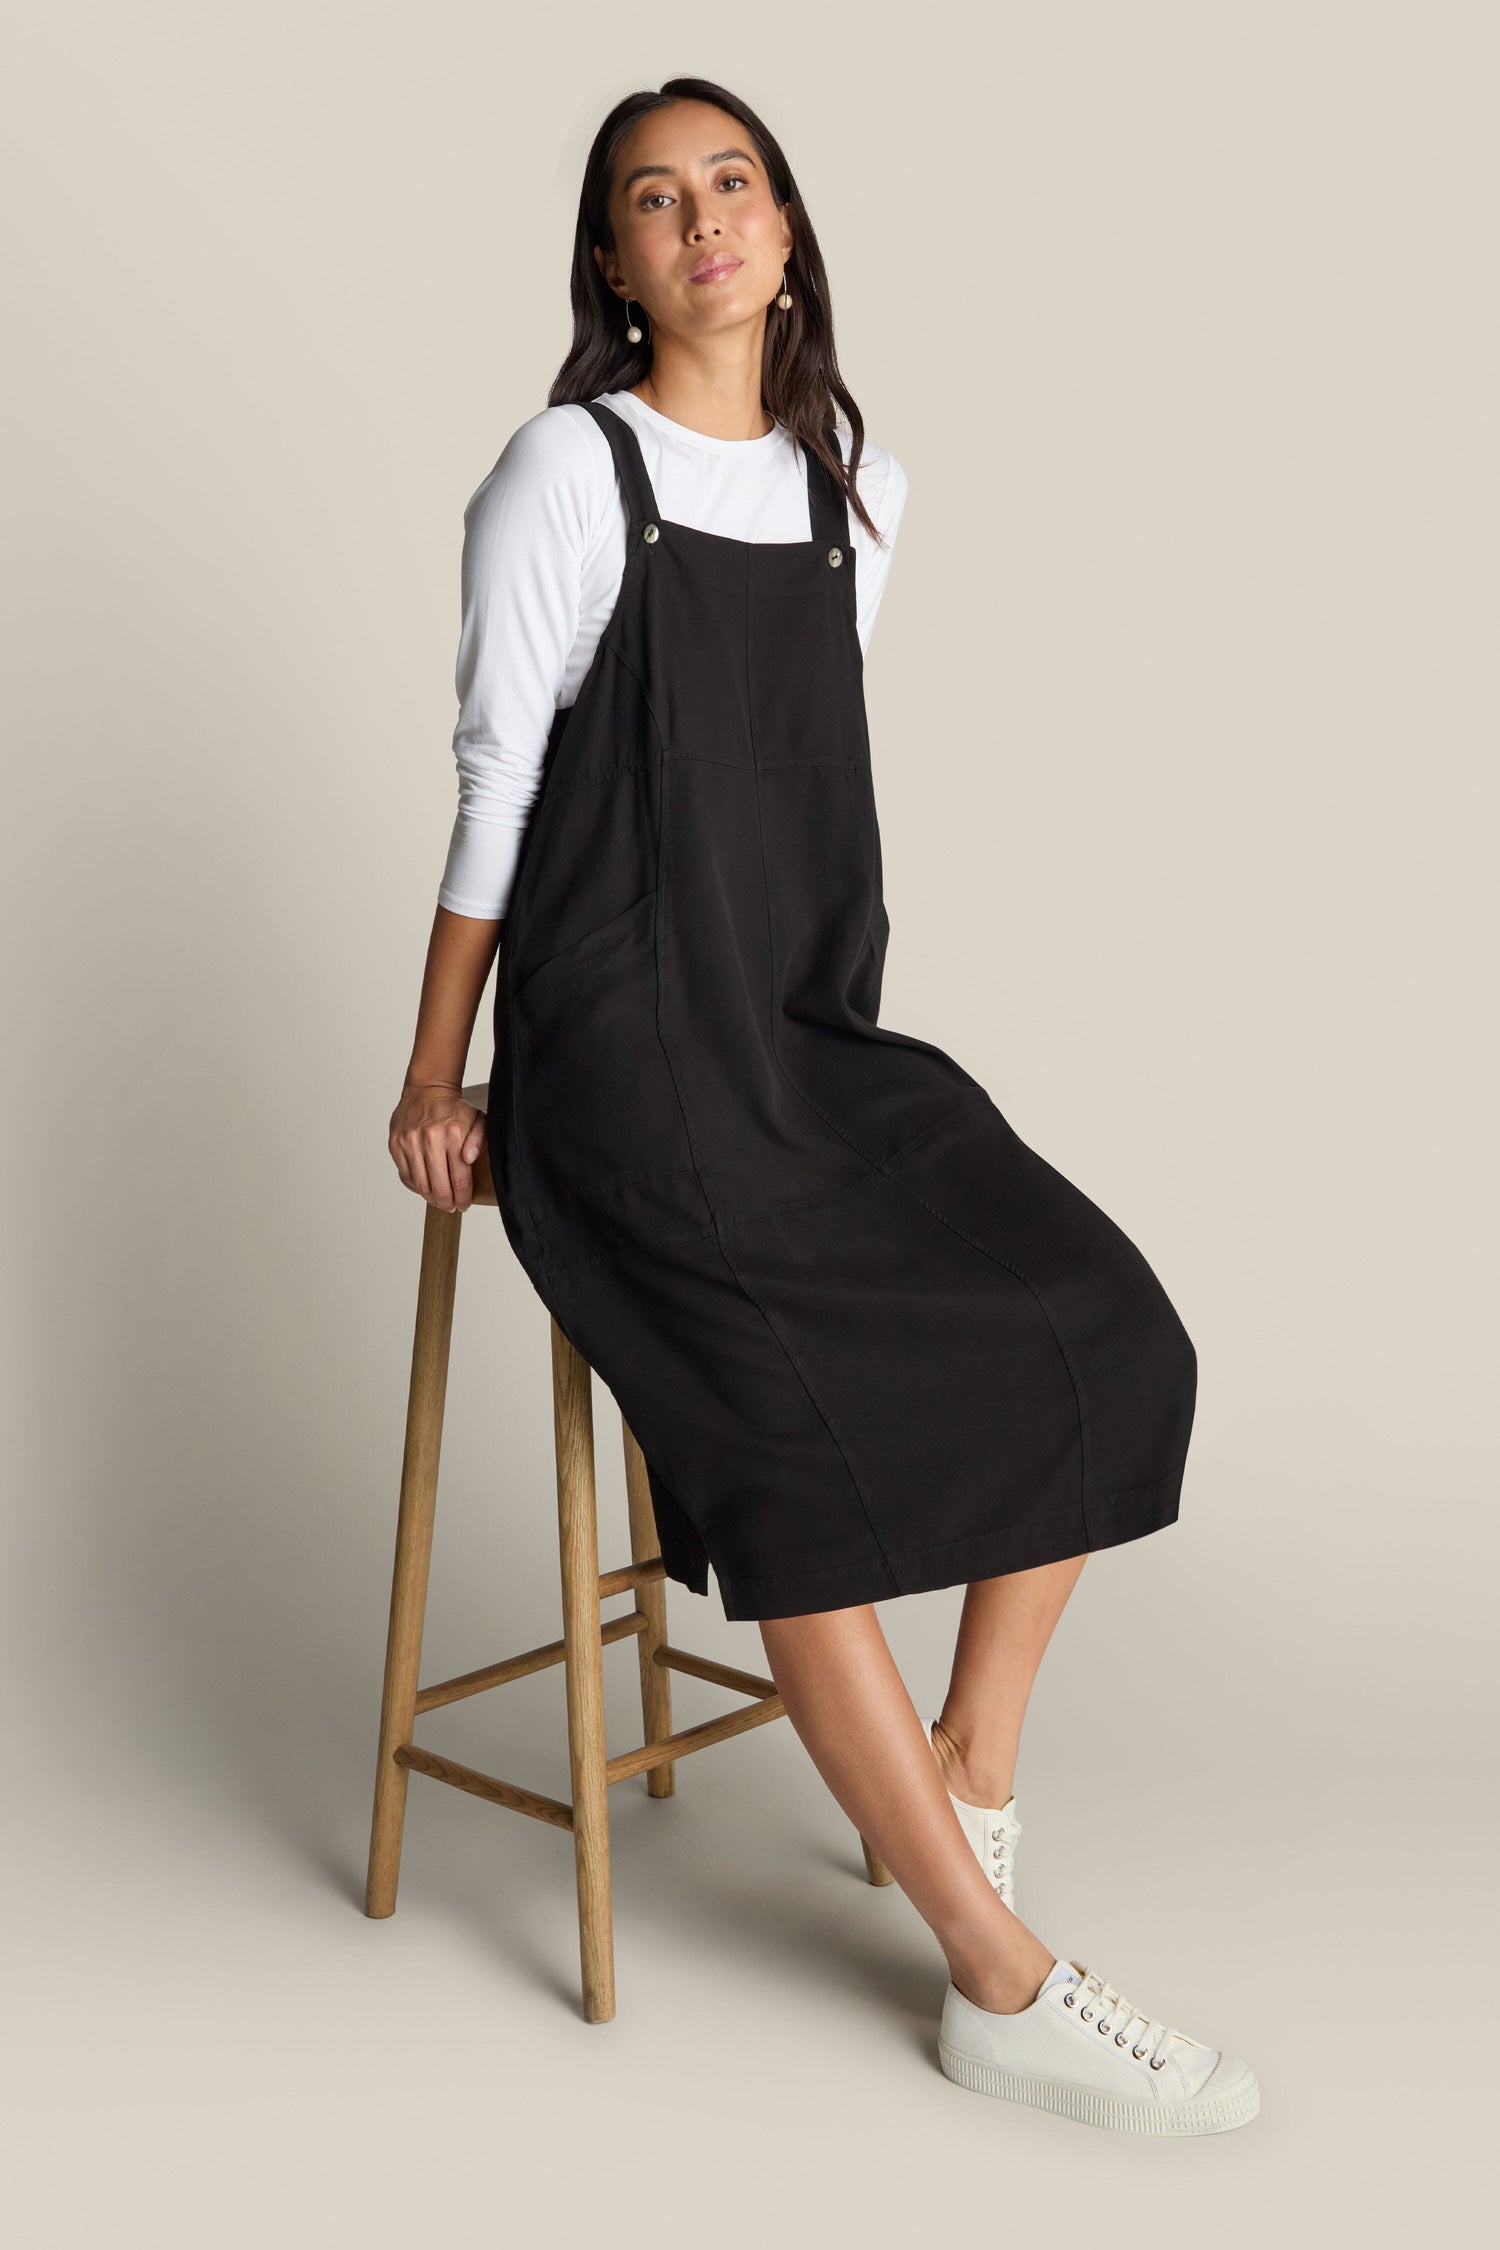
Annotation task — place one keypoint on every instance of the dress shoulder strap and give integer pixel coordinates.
(827, 502)
(630, 464)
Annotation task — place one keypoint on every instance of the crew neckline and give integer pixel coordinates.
(700, 438)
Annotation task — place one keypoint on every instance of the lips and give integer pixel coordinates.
(716, 268)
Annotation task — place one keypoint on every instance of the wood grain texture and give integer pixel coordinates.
(426, 1397)
(486, 1785)
(578, 1532)
(651, 1596)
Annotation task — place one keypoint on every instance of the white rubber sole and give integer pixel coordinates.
(1171, 2119)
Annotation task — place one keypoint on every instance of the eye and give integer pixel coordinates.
(734, 176)
(652, 195)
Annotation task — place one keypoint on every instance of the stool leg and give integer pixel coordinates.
(875, 1866)
(651, 1601)
(419, 1478)
(573, 1429)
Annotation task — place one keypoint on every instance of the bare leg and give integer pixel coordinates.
(1002, 1638)
(850, 1709)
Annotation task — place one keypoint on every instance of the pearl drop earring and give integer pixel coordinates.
(784, 300)
(632, 332)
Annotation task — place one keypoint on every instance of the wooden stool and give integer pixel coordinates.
(580, 1650)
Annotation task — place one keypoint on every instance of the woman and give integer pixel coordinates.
(868, 1341)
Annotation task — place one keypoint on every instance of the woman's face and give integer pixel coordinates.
(699, 240)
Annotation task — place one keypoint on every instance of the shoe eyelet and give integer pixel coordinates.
(1139, 2053)
(1087, 2014)
(1102, 2025)
(1157, 2061)
(1070, 1999)
(1121, 2037)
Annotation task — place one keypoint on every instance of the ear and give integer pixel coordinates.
(609, 267)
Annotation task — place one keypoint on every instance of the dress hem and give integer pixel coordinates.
(1129, 1514)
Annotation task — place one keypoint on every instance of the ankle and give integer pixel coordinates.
(970, 1773)
(1002, 1989)
(997, 1962)
(983, 1786)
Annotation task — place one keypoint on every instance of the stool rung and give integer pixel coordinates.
(516, 1667)
(630, 1574)
(705, 1668)
(692, 1738)
(484, 1785)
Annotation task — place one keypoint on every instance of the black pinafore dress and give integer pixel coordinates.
(868, 1340)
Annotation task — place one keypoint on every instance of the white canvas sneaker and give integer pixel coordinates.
(1083, 2051)
(993, 1832)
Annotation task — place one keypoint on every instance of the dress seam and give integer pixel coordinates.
(740, 1218)
(1027, 1283)
(663, 840)
(603, 774)
(882, 1164)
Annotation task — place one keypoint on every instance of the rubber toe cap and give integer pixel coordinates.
(1230, 2080)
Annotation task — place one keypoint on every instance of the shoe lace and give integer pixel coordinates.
(1101, 2004)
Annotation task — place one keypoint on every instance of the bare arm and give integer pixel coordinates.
(435, 1135)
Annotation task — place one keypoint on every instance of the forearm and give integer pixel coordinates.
(459, 954)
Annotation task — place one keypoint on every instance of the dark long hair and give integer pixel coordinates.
(799, 377)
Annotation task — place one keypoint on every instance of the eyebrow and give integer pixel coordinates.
(669, 171)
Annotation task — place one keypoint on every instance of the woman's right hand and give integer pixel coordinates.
(435, 1138)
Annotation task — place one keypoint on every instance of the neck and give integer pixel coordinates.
(714, 397)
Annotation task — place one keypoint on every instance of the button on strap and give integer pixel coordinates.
(835, 557)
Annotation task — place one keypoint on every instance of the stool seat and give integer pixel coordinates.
(585, 1634)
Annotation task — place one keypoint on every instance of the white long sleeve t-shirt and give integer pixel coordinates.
(543, 556)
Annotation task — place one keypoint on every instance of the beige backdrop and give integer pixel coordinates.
(1182, 320)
